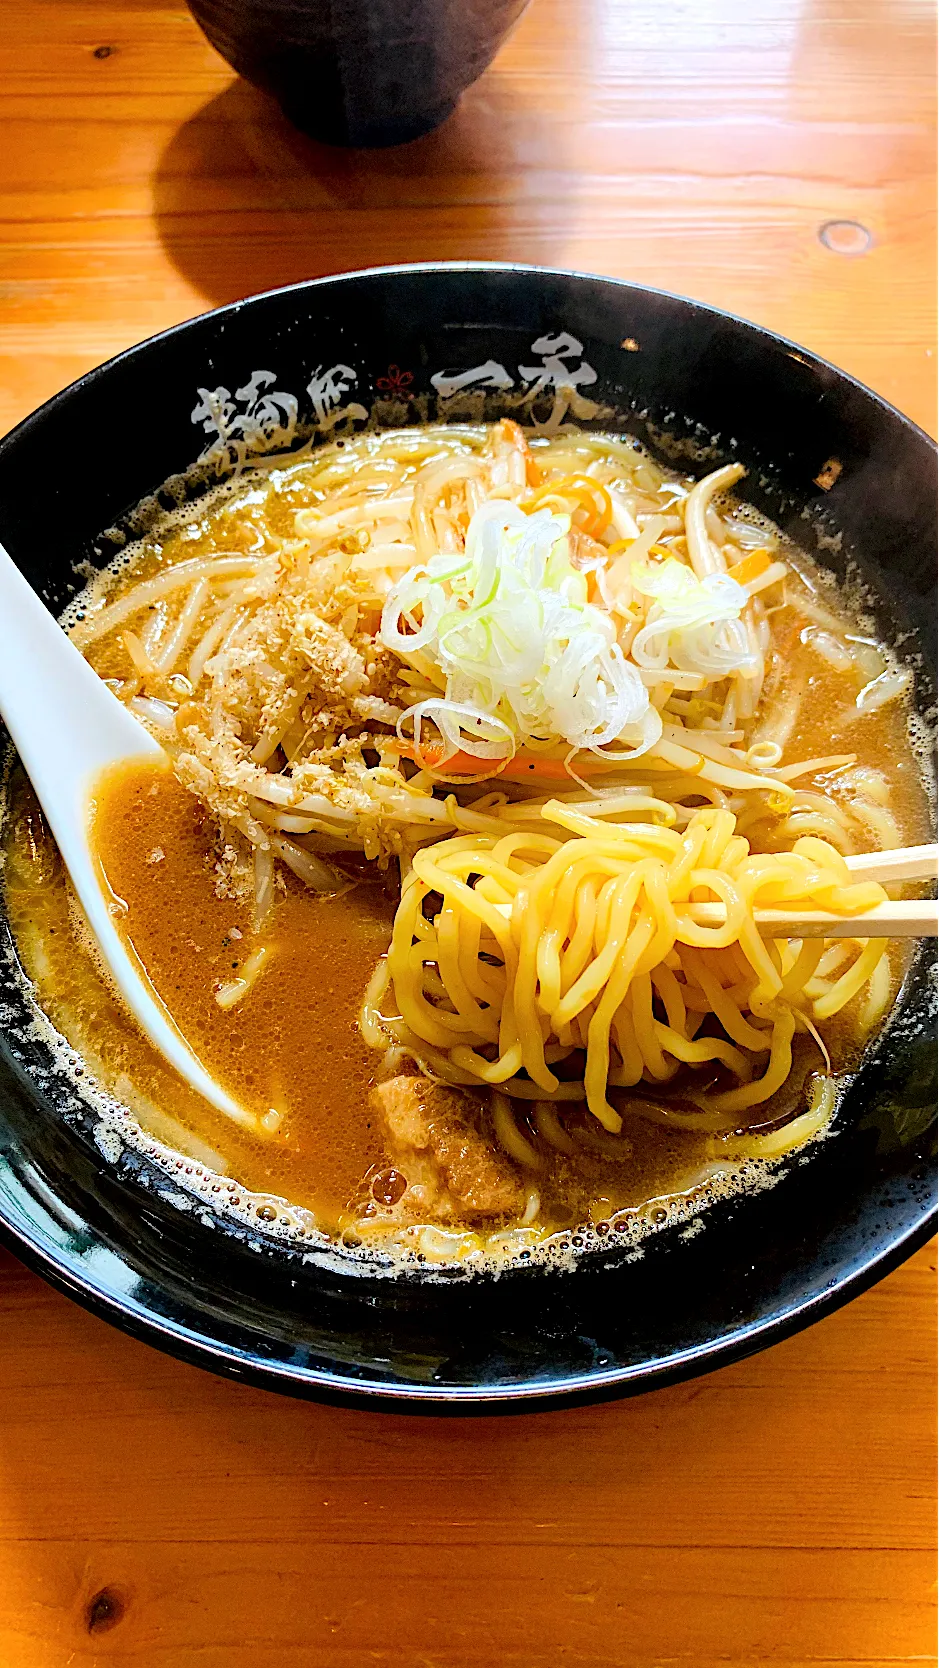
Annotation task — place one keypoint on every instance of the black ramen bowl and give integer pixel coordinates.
(851, 479)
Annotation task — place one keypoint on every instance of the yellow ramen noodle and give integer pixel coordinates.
(468, 720)
(543, 949)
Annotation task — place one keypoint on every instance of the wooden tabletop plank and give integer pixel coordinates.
(704, 156)
(779, 1511)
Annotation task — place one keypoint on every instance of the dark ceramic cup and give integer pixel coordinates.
(360, 72)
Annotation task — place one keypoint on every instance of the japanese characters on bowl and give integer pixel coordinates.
(259, 417)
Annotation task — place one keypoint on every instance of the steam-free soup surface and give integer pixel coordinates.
(290, 1049)
(292, 1046)
(293, 1043)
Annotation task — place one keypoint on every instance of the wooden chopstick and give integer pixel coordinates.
(918, 918)
(909, 863)
(909, 918)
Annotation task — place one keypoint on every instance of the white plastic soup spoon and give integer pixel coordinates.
(68, 727)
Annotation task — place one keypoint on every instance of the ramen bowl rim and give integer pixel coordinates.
(142, 1322)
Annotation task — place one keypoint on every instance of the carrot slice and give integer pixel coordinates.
(590, 498)
(524, 767)
(751, 567)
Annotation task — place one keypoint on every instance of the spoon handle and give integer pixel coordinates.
(67, 727)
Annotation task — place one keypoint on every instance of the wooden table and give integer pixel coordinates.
(775, 157)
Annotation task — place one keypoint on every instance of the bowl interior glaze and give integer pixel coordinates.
(848, 477)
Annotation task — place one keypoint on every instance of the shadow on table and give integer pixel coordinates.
(243, 201)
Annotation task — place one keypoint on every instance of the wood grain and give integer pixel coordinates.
(779, 1512)
(702, 150)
